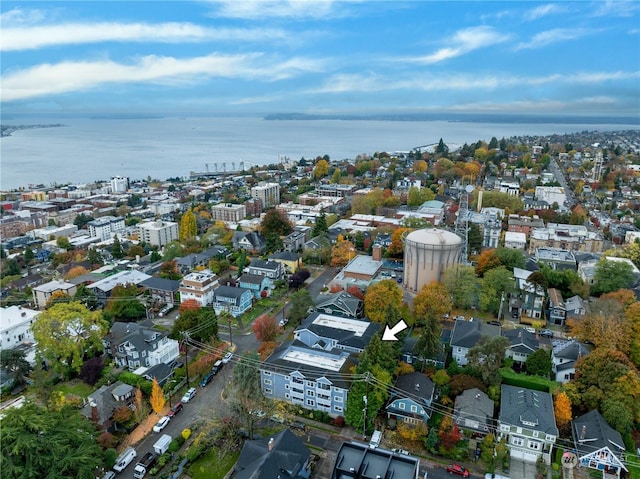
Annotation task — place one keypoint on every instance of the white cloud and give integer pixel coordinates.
(260, 9)
(556, 35)
(463, 42)
(543, 10)
(26, 38)
(616, 8)
(49, 79)
(18, 16)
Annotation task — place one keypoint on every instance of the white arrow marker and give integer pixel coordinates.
(390, 333)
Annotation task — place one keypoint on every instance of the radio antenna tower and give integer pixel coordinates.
(462, 223)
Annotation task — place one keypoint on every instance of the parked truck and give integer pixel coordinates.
(143, 466)
(162, 445)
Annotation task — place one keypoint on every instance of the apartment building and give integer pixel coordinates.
(268, 193)
(228, 212)
(158, 233)
(42, 293)
(106, 227)
(567, 237)
(199, 286)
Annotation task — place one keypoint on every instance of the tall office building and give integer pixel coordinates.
(119, 184)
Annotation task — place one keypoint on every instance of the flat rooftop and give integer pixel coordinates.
(355, 326)
(363, 264)
(317, 360)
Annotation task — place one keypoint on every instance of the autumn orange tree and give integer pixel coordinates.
(342, 252)
(57, 297)
(379, 297)
(157, 399)
(396, 248)
(487, 260)
(75, 272)
(562, 410)
(432, 301)
(355, 291)
(606, 326)
(265, 328)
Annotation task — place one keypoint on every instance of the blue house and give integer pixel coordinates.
(234, 300)
(411, 399)
(312, 378)
(256, 283)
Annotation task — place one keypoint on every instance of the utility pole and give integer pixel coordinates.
(185, 341)
(364, 410)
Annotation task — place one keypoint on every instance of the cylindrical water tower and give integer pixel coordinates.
(427, 253)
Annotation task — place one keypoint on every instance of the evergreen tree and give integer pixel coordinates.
(116, 248)
(321, 228)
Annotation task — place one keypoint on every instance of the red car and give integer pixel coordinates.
(175, 409)
(458, 470)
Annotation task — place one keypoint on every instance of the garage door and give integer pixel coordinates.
(523, 455)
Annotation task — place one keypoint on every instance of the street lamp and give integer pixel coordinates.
(364, 422)
(230, 333)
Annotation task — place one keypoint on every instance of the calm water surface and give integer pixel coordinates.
(85, 150)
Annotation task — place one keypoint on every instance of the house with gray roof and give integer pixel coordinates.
(564, 356)
(325, 331)
(102, 288)
(528, 423)
(341, 304)
(283, 455)
(576, 307)
(234, 300)
(256, 283)
(598, 445)
(270, 269)
(163, 290)
(358, 461)
(411, 399)
(466, 335)
(316, 379)
(474, 410)
(252, 242)
(101, 404)
(188, 263)
(529, 297)
(522, 344)
(557, 310)
(135, 345)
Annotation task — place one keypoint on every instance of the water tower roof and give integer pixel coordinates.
(434, 236)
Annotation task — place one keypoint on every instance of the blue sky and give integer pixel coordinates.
(247, 56)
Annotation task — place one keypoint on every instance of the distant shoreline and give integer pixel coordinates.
(459, 118)
(7, 130)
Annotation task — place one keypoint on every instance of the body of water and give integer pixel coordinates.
(86, 150)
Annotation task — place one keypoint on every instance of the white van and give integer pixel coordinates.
(490, 475)
(376, 438)
(125, 459)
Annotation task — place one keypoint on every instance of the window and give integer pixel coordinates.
(267, 382)
(534, 445)
(286, 386)
(337, 398)
(266, 373)
(286, 396)
(267, 390)
(310, 384)
(310, 402)
(337, 408)
(517, 441)
(414, 408)
(310, 393)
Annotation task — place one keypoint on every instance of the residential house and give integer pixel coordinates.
(291, 261)
(102, 288)
(162, 290)
(411, 399)
(564, 356)
(557, 312)
(294, 242)
(341, 304)
(598, 445)
(188, 263)
(313, 378)
(514, 240)
(466, 335)
(356, 460)
(284, 455)
(269, 269)
(473, 410)
(528, 423)
(233, 300)
(324, 331)
(253, 242)
(576, 307)
(199, 286)
(556, 258)
(43, 292)
(257, 284)
(529, 297)
(522, 344)
(101, 404)
(15, 330)
(135, 345)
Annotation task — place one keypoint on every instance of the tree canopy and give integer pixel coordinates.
(66, 333)
(379, 297)
(275, 222)
(188, 226)
(611, 276)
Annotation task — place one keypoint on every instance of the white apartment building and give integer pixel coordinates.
(228, 212)
(199, 286)
(158, 233)
(42, 293)
(119, 184)
(268, 193)
(106, 227)
(49, 232)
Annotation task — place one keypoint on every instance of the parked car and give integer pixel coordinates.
(546, 333)
(530, 329)
(458, 470)
(175, 409)
(494, 323)
(400, 451)
(188, 395)
(399, 280)
(227, 358)
(161, 424)
(298, 425)
(283, 322)
(206, 380)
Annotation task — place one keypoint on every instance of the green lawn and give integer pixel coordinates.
(75, 387)
(211, 466)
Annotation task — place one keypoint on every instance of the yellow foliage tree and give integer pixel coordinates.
(342, 252)
(157, 399)
(562, 409)
(412, 432)
(188, 226)
(432, 301)
(56, 298)
(75, 272)
(420, 166)
(379, 297)
(321, 169)
(397, 245)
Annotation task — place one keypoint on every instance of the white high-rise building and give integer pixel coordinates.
(119, 184)
(158, 233)
(105, 227)
(268, 193)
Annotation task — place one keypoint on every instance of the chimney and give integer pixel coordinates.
(376, 252)
(583, 433)
(271, 443)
